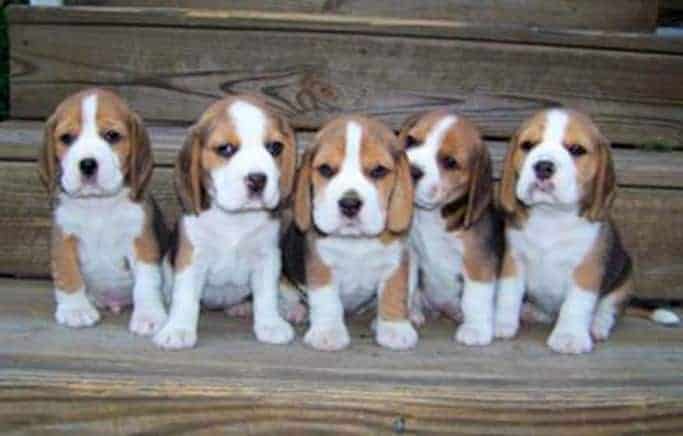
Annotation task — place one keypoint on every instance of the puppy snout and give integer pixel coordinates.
(350, 204)
(256, 182)
(544, 169)
(88, 166)
(416, 172)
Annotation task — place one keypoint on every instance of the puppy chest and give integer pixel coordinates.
(439, 254)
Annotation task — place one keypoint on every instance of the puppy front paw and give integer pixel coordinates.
(474, 334)
(506, 328)
(396, 335)
(328, 337)
(569, 342)
(77, 316)
(274, 331)
(147, 321)
(173, 337)
(296, 313)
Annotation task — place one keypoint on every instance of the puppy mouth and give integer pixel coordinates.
(545, 186)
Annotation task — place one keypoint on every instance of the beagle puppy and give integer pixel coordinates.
(352, 210)
(235, 169)
(456, 239)
(107, 235)
(563, 250)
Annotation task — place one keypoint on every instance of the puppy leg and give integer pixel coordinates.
(572, 330)
(269, 326)
(292, 308)
(180, 331)
(327, 331)
(394, 329)
(509, 297)
(477, 307)
(416, 309)
(73, 307)
(609, 308)
(149, 313)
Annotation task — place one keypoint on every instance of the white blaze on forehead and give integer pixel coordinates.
(250, 122)
(438, 131)
(555, 126)
(352, 161)
(89, 115)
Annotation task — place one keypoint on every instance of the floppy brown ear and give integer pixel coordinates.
(140, 160)
(47, 158)
(288, 160)
(604, 185)
(401, 202)
(188, 175)
(302, 194)
(507, 197)
(480, 189)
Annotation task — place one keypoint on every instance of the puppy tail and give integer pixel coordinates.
(652, 311)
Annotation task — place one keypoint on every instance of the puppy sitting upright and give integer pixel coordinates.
(107, 237)
(353, 203)
(236, 166)
(563, 250)
(456, 241)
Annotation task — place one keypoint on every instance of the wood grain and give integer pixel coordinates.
(649, 220)
(312, 70)
(120, 383)
(625, 15)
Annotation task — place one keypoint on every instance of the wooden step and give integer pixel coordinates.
(648, 209)
(623, 15)
(171, 63)
(104, 380)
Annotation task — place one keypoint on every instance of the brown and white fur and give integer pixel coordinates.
(563, 250)
(107, 236)
(352, 208)
(456, 242)
(235, 169)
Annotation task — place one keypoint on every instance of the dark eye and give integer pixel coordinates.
(275, 148)
(527, 145)
(576, 150)
(449, 162)
(411, 141)
(326, 171)
(378, 172)
(111, 136)
(226, 150)
(67, 138)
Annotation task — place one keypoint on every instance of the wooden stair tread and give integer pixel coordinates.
(106, 379)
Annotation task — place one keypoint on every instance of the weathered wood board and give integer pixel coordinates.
(171, 63)
(104, 380)
(624, 15)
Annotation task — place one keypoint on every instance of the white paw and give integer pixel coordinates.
(84, 315)
(296, 313)
(175, 338)
(242, 310)
(328, 337)
(570, 342)
(417, 317)
(506, 328)
(274, 331)
(147, 321)
(602, 325)
(477, 335)
(396, 335)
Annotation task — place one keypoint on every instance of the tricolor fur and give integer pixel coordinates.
(235, 169)
(108, 236)
(455, 238)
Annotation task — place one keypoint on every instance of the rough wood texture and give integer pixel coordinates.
(625, 15)
(648, 218)
(120, 383)
(317, 66)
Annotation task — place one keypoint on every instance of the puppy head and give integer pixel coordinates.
(93, 146)
(354, 181)
(450, 165)
(559, 158)
(240, 156)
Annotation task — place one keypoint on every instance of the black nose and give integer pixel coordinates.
(544, 169)
(88, 166)
(416, 172)
(256, 182)
(350, 205)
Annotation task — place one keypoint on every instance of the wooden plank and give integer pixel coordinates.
(649, 220)
(20, 141)
(173, 74)
(120, 383)
(624, 15)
